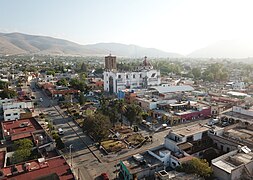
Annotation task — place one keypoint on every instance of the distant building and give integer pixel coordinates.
(110, 62)
(143, 77)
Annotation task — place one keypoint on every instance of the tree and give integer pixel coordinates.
(122, 108)
(84, 67)
(97, 125)
(51, 72)
(3, 85)
(196, 72)
(62, 82)
(198, 166)
(58, 141)
(81, 99)
(133, 113)
(23, 144)
(23, 150)
(8, 93)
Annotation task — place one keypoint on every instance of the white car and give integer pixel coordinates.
(60, 131)
(41, 99)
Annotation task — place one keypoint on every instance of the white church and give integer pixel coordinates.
(144, 76)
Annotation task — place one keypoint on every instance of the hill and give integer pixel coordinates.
(226, 49)
(20, 44)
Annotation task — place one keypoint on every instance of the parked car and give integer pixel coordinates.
(60, 131)
(224, 124)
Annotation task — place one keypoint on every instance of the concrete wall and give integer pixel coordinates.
(223, 143)
(165, 160)
(241, 110)
(171, 145)
(18, 105)
(219, 173)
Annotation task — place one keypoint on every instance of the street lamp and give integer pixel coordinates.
(70, 152)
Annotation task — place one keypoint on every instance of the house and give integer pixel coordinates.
(237, 164)
(17, 129)
(53, 168)
(139, 166)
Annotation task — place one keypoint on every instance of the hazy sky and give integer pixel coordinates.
(172, 25)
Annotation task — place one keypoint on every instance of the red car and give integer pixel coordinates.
(104, 176)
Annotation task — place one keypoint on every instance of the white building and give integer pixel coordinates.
(243, 110)
(13, 109)
(11, 114)
(234, 165)
(143, 77)
(17, 105)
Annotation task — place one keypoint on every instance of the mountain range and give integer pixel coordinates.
(21, 44)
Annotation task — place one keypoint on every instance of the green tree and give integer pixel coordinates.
(23, 150)
(51, 72)
(122, 108)
(133, 114)
(58, 141)
(81, 99)
(196, 72)
(62, 82)
(97, 125)
(197, 166)
(3, 85)
(8, 93)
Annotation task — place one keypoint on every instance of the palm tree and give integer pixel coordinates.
(122, 108)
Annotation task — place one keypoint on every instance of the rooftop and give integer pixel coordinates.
(237, 115)
(242, 133)
(145, 161)
(22, 126)
(191, 130)
(40, 168)
(230, 161)
(171, 89)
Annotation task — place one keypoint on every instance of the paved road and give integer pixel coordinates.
(84, 164)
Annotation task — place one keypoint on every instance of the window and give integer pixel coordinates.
(15, 114)
(8, 115)
(127, 76)
(140, 75)
(134, 76)
(153, 75)
(190, 138)
(119, 76)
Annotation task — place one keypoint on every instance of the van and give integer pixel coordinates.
(60, 131)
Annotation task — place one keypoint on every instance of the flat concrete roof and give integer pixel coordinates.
(191, 130)
(233, 161)
(134, 166)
